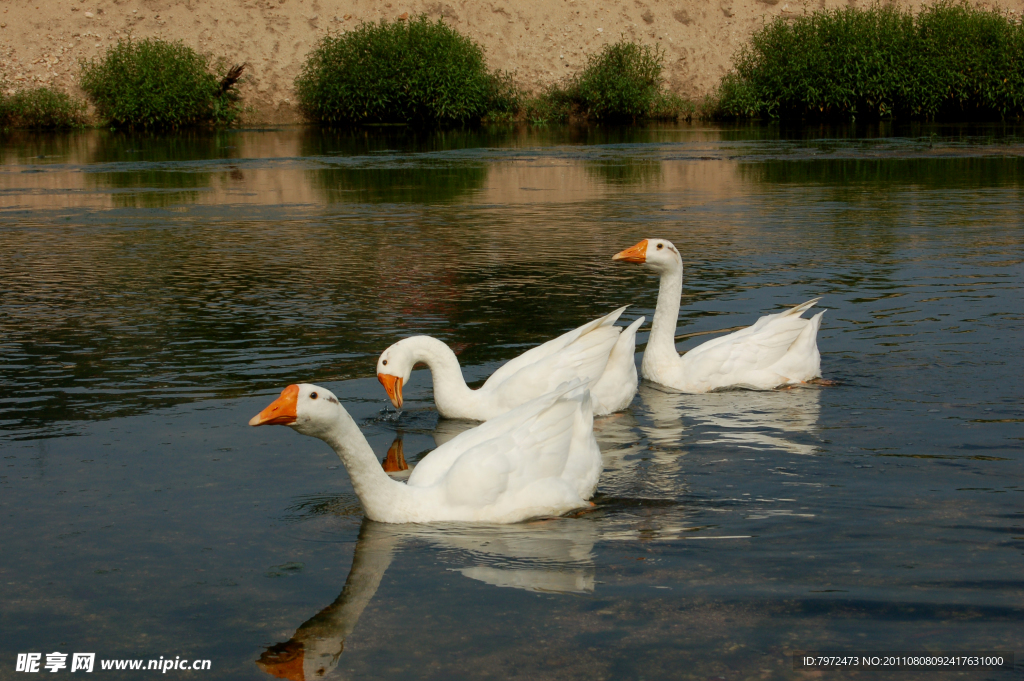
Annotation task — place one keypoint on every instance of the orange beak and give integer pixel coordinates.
(393, 384)
(280, 412)
(637, 254)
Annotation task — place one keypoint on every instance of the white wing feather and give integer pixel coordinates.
(754, 356)
(437, 464)
(585, 358)
(520, 465)
(541, 352)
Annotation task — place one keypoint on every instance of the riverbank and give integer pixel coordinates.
(540, 42)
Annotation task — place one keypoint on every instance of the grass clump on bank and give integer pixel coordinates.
(41, 108)
(621, 83)
(156, 84)
(950, 61)
(416, 72)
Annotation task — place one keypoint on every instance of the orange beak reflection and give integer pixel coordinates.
(393, 385)
(636, 254)
(284, 661)
(280, 412)
(395, 460)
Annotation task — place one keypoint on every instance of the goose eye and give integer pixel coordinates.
(661, 246)
(312, 396)
(385, 362)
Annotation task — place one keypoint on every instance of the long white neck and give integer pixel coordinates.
(453, 398)
(661, 345)
(378, 493)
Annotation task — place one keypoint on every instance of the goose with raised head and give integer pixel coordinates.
(778, 350)
(539, 459)
(599, 353)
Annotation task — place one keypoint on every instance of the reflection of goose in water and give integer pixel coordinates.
(446, 429)
(394, 461)
(644, 450)
(553, 556)
(760, 420)
(550, 555)
(637, 465)
(315, 648)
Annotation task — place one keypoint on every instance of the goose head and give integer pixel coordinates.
(394, 367)
(656, 254)
(307, 408)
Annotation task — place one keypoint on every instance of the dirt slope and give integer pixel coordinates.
(42, 41)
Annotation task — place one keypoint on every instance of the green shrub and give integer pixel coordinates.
(951, 60)
(504, 98)
(670, 106)
(557, 103)
(972, 62)
(42, 108)
(414, 71)
(623, 81)
(156, 84)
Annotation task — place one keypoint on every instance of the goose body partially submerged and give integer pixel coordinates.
(539, 459)
(598, 353)
(778, 350)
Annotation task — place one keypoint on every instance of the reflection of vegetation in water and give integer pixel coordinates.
(420, 183)
(153, 171)
(595, 133)
(870, 208)
(628, 166)
(174, 188)
(629, 170)
(399, 139)
(115, 314)
(865, 177)
(41, 148)
(138, 314)
(370, 166)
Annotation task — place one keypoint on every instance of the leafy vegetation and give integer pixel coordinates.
(43, 109)
(416, 72)
(621, 83)
(155, 84)
(950, 61)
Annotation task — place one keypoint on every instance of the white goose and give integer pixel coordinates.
(780, 349)
(596, 352)
(540, 459)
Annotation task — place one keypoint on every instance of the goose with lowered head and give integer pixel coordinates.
(539, 459)
(778, 350)
(599, 352)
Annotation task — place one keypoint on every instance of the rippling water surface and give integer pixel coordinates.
(159, 291)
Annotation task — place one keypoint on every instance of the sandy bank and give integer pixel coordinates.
(42, 41)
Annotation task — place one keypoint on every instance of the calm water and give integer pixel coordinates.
(159, 292)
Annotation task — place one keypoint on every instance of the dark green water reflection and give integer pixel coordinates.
(158, 291)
